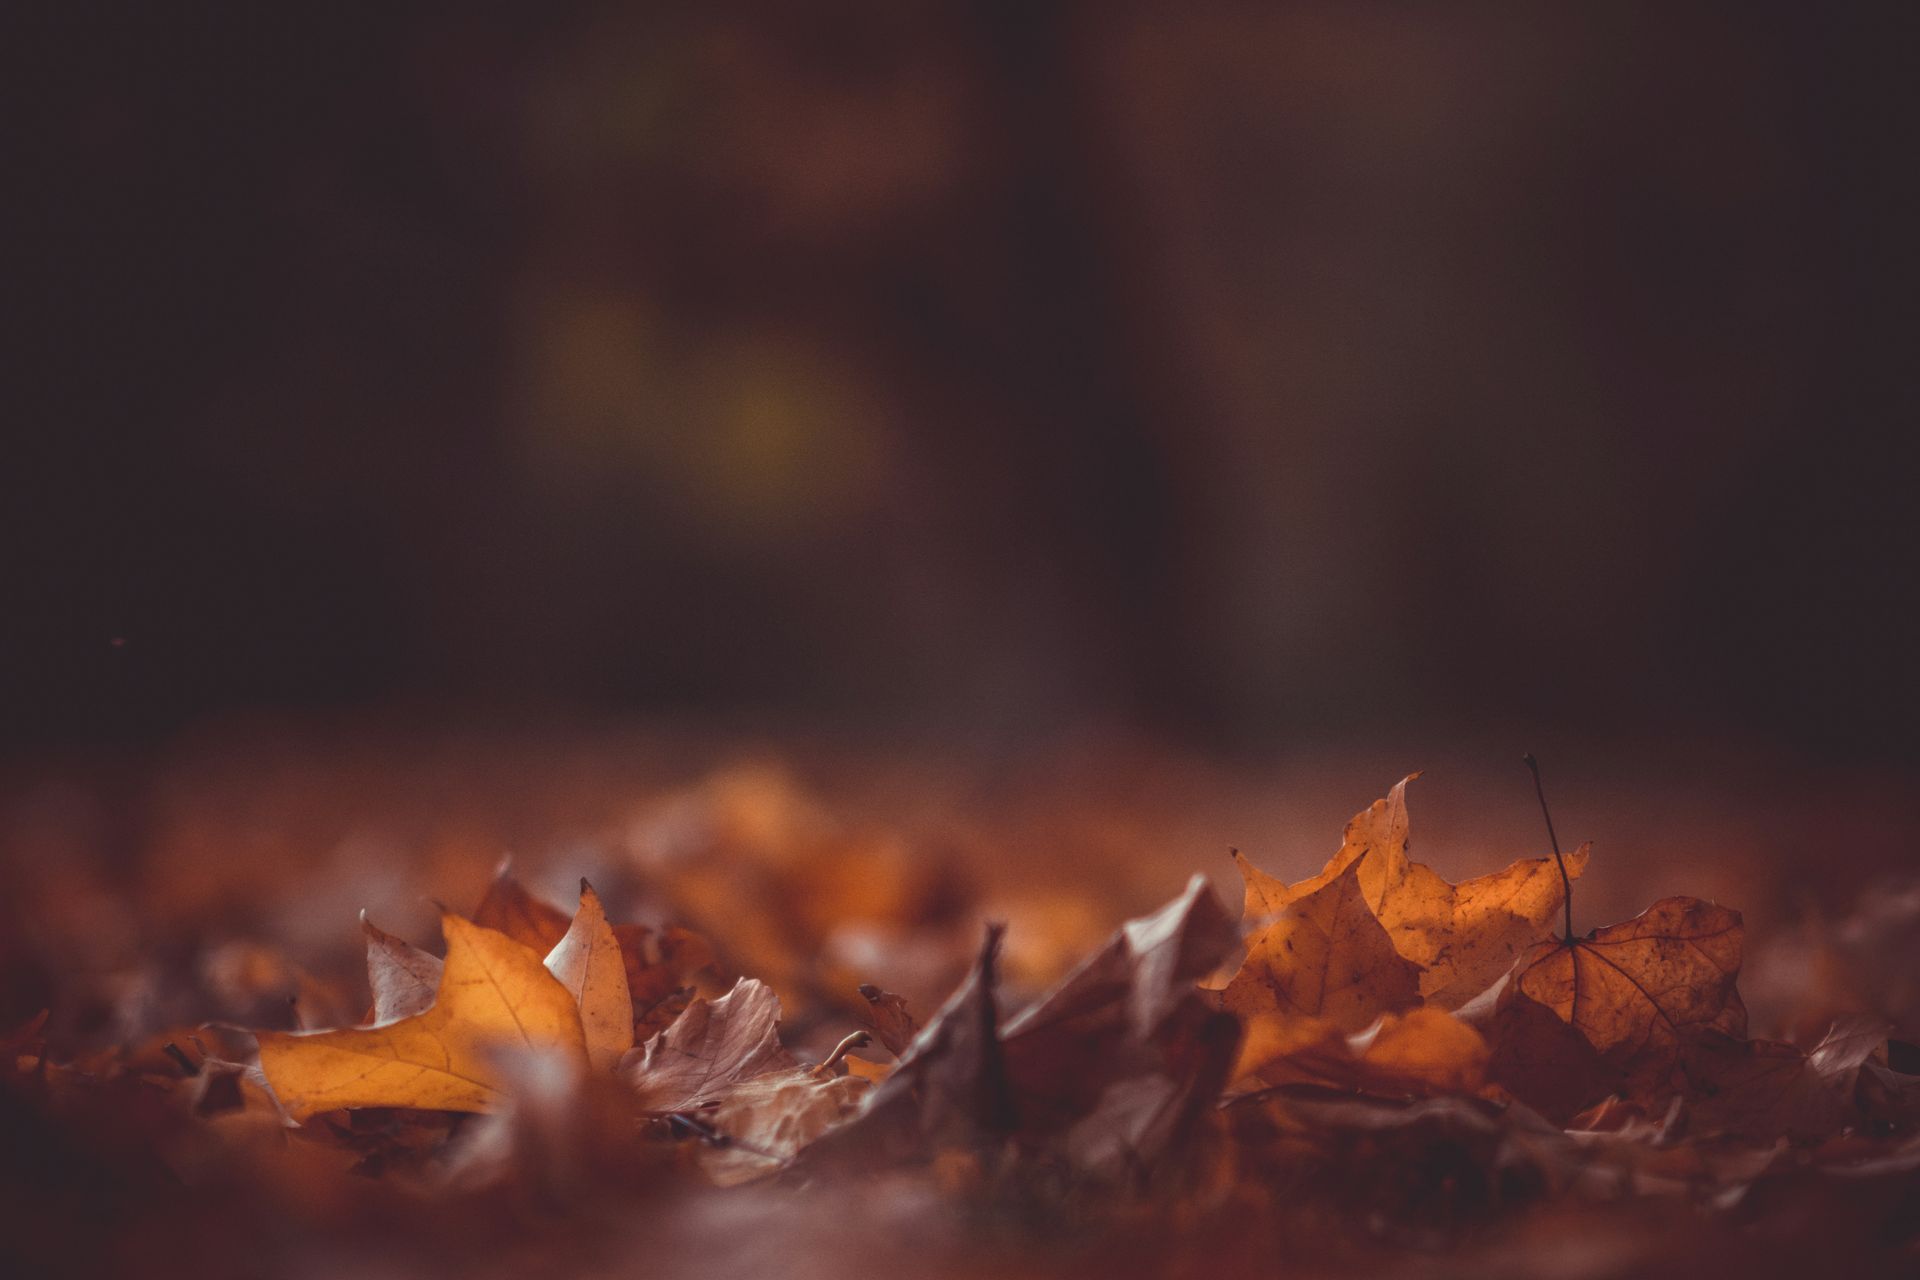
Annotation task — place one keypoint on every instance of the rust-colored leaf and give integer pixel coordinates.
(1635, 990)
(1464, 936)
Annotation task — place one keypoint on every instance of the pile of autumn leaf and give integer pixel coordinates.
(1424, 1051)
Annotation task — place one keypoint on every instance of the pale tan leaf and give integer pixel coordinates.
(588, 963)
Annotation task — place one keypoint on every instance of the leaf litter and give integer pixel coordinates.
(1372, 1065)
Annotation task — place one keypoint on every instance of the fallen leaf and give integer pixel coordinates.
(403, 977)
(1324, 955)
(1127, 1011)
(493, 992)
(1419, 1053)
(1635, 989)
(1464, 936)
(658, 963)
(948, 1092)
(1422, 1051)
(1536, 1056)
(766, 1121)
(587, 961)
(1849, 1044)
(711, 1046)
(1758, 1089)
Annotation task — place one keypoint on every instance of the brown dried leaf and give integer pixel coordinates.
(404, 978)
(1129, 1010)
(1462, 936)
(1635, 990)
(1757, 1089)
(767, 1121)
(948, 1092)
(1536, 1056)
(710, 1047)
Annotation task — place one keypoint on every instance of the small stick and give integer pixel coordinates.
(1566, 881)
(187, 1065)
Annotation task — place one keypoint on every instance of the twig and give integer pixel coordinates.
(1566, 881)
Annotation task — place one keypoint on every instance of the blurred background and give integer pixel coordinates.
(1238, 374)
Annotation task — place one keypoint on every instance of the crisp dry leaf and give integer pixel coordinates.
(1143, 972)
(658, 962)
(711, 1046)
(1462, 936)
(768, 1120)
(588, 963)
(1143, 1118)
(954, 1071)
(1635, 989)
(948, 1092)
(1326, 956)
(493, 993)
(404, 978)
(1128, 1011)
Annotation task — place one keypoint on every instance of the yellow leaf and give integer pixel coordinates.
(1463, 936)
(1421, 1052)
(1325, 956)
(494, 995)
(588, 963)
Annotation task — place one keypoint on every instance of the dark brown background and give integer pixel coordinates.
(1240, 374)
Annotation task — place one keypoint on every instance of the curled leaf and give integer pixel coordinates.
(403, 977)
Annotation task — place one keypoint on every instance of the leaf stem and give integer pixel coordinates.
(1566, 881)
